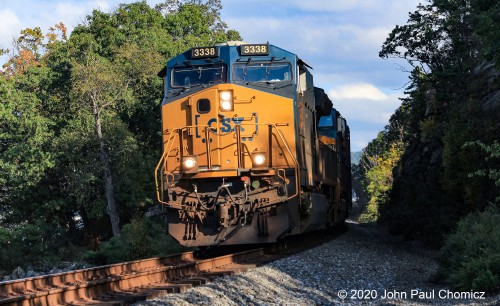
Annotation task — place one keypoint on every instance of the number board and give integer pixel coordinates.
(260, 49)
(204, 52)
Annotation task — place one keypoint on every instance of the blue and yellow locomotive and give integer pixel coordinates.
(252, 151)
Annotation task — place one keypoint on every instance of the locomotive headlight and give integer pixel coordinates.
(258, 160)
(190, 164)
(225, 95)
(226, 105)
(226, 101)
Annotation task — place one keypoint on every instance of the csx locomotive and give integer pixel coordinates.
(252, 151)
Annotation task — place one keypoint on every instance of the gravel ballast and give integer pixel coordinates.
(362, 266)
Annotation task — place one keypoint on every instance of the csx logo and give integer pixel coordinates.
(226, 125)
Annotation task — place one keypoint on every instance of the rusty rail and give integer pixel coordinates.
(141, 279)
(83, 286)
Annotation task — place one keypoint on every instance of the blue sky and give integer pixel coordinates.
(340, 39)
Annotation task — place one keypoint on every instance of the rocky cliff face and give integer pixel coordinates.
(488, 75)
(433, 184)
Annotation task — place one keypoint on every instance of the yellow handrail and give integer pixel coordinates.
(174, 133)
(280, 134)
(170, 141)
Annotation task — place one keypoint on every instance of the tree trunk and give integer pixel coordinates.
(108, 178)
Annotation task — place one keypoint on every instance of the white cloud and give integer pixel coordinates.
(316, 39)
(366, 108)
(69, 11)
(335, 6)
(360, 137)
(357, 91)
(9, 26)
(391, 10)
(102, 5)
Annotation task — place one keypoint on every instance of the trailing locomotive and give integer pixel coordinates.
(252, 151)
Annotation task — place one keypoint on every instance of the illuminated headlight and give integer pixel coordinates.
(225, 95)
(226, 105)
(226, 101)
(190, 164)
(258, 160)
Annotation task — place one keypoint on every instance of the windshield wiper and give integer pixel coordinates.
(264, 84)
(267, 84)
(269, 66)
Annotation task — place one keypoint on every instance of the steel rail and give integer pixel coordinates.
(86, 284)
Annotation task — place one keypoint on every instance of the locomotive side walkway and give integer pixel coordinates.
(363, 266)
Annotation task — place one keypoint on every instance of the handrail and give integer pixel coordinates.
(238, 145)
(176, 132)
(280, 134)
(168, 144)
(208, 148)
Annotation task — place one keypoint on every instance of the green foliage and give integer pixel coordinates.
(141, 238)
(440, 179)
(25, 135)
(493, 152)
(29, 244)
(470, 257)
(379, 180)
(421, 40)
(51, 174)
(428, 127)
(488, 22)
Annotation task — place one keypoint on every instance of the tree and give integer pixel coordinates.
(128, 47)
(24, 139)
(98, 84)
(80, 123)
(27, 52)
(450, 45)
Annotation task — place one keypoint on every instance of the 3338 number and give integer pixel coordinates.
(204, 52)
(255, 49)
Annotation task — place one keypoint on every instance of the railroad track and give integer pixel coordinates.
(125, 283)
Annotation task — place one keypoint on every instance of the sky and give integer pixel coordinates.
(340, 39)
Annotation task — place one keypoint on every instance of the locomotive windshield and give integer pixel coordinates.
(187, 77)
(262, 72)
